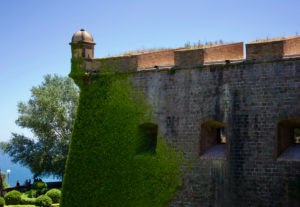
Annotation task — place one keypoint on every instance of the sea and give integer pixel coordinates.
(18, 172)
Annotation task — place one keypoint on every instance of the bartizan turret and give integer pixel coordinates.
(82, 45)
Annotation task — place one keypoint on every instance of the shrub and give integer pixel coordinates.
(26, 200)
(43, 201)
(54, 194)
(40, 187)
(2, 202)
(31, 193)
(13, 198)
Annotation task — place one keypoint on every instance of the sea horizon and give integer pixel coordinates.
(18, 172)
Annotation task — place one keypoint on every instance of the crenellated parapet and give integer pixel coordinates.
(223, 52)
(273, 48)
(129, 63)
(83, 46)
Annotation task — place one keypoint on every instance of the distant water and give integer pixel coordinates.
(18, 172)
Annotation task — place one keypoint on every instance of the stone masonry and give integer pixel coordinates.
(250, 97)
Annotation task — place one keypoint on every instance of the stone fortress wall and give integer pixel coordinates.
(255, 101)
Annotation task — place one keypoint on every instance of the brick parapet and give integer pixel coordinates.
(120, 63)
(230, 51)
(169, 57)
(259, 50)
(189, 57)
(274, 48)
(159, 58)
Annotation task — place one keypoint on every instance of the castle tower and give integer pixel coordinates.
(82, 45)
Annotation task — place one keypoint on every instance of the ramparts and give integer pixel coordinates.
(202, 95)
(223, 53)
(231, 51)
(273, 48)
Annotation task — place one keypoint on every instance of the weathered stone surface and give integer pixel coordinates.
(251, 100)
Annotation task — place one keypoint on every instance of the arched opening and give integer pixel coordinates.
(212, 141)
(148, 132)
(288, 140)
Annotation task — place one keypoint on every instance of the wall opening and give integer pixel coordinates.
(297, 135)
(149, 132)
(212, 141)
(288, 140)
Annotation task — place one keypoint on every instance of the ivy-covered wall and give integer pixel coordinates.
(109, 162)
(250, 97)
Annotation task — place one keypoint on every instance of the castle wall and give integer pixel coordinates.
(251, 99)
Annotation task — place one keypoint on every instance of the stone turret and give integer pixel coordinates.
(82, 45)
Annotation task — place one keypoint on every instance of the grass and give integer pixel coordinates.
(187, 45)
(274, 39)
(141, 51)
(199, 44)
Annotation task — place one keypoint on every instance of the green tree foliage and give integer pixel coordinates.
(3, 184)
(39, 187)
(49, 114)
(105, 165)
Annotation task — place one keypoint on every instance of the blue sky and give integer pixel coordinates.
(34, 35)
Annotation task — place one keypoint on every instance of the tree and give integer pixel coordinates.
(3, 184)
(49, 115)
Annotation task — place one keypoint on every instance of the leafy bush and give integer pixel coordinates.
(54, 194)
(31, 193)
(43, 201)
(13, 198)
(25, 199)
(40, 187)
(2, 202)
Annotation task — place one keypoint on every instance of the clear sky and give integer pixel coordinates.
(34, 35)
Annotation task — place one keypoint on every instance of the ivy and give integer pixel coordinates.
(105, 167)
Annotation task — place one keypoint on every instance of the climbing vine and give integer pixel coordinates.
(105, 165)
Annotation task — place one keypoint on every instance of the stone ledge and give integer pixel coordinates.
(291, 154)
(217, 152)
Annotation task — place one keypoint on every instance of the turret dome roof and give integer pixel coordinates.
(82, 36)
